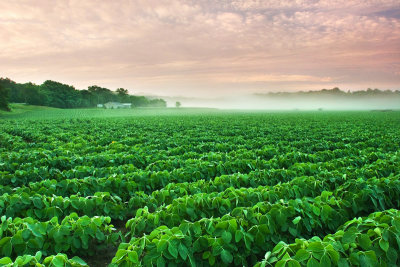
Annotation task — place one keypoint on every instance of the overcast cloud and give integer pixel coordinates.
(203, 48)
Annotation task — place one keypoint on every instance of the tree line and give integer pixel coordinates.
(336, 92)
(59, 95)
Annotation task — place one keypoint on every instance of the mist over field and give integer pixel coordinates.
(290, 102)
(199, 133)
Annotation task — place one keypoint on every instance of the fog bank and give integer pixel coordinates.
(271, 102)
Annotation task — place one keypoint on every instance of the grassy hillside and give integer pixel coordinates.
(17, 109)
(40, 112)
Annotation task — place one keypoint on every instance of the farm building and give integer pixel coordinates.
(114, 105)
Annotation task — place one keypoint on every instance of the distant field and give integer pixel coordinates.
(200, 187)
(40, 112)
(17, 109)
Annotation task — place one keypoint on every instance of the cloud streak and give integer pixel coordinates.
(203, 47)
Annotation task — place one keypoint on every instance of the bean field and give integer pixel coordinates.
(181, 187)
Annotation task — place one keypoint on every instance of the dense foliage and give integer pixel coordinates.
(4, 95)
(198, 188)
(59, 95)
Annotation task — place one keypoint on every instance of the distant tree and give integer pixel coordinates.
(56, 94)
(122, 94)
(177, 104)
(33, 95)
(4, 94)
(102, 95)
(138, 101)
(159, 103)
(59, 95)
(16, 94)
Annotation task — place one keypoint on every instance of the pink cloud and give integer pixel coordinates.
(164, 47)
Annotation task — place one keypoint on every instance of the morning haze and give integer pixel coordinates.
(222, 133)
(203, 49)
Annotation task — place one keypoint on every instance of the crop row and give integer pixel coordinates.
(126, 181)
(371, 241)
(59, 260)
(254, 229)
(73, 235)
(45, 207)
(42, 204)
(198, 206)
(16, 174)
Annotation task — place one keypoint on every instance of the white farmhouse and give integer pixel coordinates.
(115, 105)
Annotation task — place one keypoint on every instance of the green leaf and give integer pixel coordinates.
(316, 247)
(312, 262)
(17, 239)
(160, 261)
(172, 249)
(133, 256)
(100, 236)
(206, 255)
(364, 241)
(325, 261)
(76, 242)
(293, 231)
(343, 263)
(183, 251)
(58, 261)
(384, 244)
(162, 245)
(392, 255)
(38, 255)
(26, 234)
(79, 261)
(37, 202)
(7, 249)
(120, 254)
(316, 210)
(326, 212)
(238, 236)
(325, 195)
(293, 263)
(378, 231)
(334, 256)
(280, 263)
(226, 256)
(34, 229)
(302, 255)
(296, 220)
(27, 258)
(350, 235)
(5, 261)
(58, 247)
(211, 260)
(368, 258)
(227, 237)
(97, 221)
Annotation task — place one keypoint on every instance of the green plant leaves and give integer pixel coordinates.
(173, 250)
(133, 257)
(302, 255)
(226, 256)
(5, 261)
(219, 190)
(296, 220)
(384, 245)
(227, 237)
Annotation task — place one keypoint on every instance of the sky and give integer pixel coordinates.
(203, 48)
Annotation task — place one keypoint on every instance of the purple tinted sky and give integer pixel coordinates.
(203, 48)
